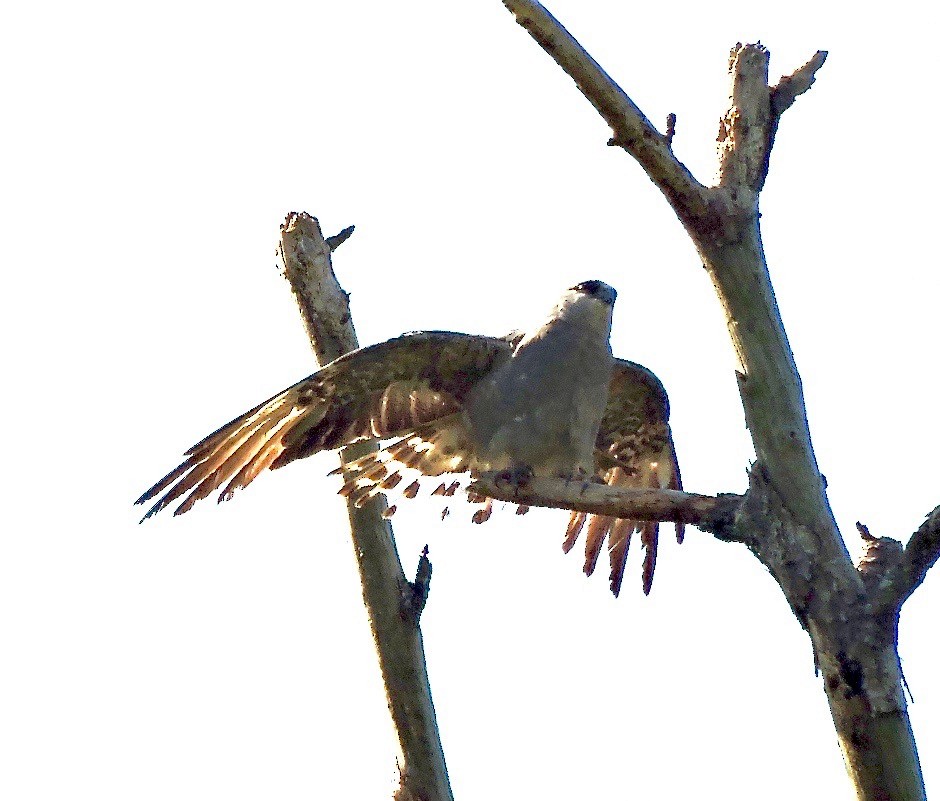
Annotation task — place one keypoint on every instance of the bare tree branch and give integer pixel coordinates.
(921, 554)
(337, 239)
(308, 268)
(770, 386)
(748, 129)
(789, 87)
(714, 514)
(743, 142)
(631, 129)
(392, 603)
(795, 534)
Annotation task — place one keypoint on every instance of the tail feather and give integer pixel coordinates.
(575, 524)
(597, 530)
(621, 532)
(661, 472)
(649, 536)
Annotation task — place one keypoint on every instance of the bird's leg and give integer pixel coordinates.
(580, 475)
(514, 477)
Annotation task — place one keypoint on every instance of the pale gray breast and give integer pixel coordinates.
(545, 404)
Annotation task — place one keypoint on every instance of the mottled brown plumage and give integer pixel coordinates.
(378, 392)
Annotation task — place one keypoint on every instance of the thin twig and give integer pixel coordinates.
(419, 589)
(670, 129)
(324, 306)
(337, 239)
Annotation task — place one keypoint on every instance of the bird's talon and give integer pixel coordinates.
(514, 477)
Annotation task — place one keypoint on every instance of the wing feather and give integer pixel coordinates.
(382, 391)
(635, 434)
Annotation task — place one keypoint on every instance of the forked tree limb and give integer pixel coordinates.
(392, 603)
(723, 224)
(785, 518)
(770, 386)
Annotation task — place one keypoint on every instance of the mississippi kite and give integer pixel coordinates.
(553, 401)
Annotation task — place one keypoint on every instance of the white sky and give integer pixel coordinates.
(151, 153)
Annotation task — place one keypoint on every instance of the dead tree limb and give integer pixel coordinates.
(785, 518)
(920, 554)
(392, 602)
(710, 513)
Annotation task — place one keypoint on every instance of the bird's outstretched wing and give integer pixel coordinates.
(637, 443)
(381, 391)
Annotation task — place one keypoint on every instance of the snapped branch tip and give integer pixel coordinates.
(790, 87)
(670, 130)
(337, 239)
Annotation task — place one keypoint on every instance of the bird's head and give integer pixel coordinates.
(597, 290)
(588, 303)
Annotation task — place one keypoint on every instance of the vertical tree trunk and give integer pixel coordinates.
(392, 602)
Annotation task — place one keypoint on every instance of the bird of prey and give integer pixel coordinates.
(550, 402)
